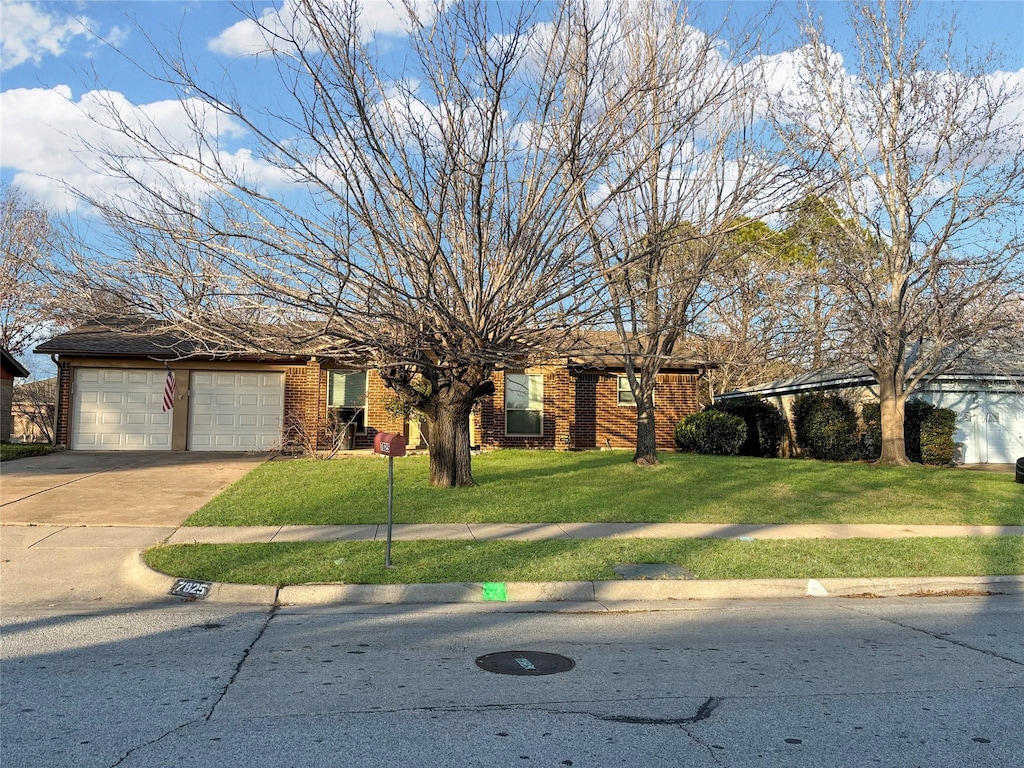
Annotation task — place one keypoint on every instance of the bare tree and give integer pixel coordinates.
(700, 146)
(34, 406)
(422, 219)
(922, 150)
(28, 234)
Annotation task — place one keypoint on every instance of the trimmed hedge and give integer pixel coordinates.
(712, 433)
(765, 425)
(825, 427)
(937, 446)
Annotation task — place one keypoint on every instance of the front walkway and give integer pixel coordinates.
(539, 531)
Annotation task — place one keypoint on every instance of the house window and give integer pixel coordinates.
(524, 404)
(625, 393)
(346, 397)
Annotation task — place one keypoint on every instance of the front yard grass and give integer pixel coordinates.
(586, 559)
(604, 486)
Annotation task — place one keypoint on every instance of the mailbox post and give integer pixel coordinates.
(389, 444)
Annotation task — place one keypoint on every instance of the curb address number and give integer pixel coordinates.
(194, 590)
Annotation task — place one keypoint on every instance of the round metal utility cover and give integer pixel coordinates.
(530, 663)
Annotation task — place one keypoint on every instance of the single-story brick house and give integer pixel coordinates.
(112, 385)
(987, 395)
(10, 369)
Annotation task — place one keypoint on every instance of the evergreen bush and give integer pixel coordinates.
(937, 446)
(825, 426)
(916, 413)
(711, 432)
(765, 425)
(871, 439)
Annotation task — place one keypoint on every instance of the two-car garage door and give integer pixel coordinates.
(122, 409)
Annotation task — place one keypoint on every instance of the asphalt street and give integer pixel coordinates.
(807, 682)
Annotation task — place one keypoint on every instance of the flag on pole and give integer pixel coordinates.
(169, 391)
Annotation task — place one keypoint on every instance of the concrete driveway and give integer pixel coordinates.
(74, 522)
(122, 488)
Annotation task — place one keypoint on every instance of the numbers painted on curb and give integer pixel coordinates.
(193, 590)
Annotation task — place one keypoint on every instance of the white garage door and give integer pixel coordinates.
(990, 425)
(235, 411)
(119, 410)
(1002, 419)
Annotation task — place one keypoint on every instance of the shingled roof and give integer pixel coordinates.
(603, 349)
(11, 364)
(144, 339)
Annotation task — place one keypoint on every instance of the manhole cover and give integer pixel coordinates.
(529, 663)
(648, 571)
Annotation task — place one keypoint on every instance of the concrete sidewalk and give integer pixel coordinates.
(541, 531)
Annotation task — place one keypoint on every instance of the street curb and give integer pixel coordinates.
(138, 573)
(135, 571)
(653, 590)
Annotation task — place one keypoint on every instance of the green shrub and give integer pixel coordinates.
(927, 432)
(871, 439)
(825, 427)
(916, 413)
(936, 436)
(11, 451)
(711, 432)
(765, 425)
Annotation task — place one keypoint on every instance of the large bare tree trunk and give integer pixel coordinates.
(646, 438)
(892, 404)
(449, 445)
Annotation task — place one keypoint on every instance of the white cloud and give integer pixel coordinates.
(52, 142)
(28, 33)
(254, 37)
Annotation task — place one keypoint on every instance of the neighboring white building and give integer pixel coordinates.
(988, 400)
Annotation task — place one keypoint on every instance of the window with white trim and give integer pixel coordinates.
(625, 393)
(346, 397)
(524, 404)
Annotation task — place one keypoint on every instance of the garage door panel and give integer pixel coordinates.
(119, 409)
(240, 411)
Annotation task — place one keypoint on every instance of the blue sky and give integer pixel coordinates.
(54, 52)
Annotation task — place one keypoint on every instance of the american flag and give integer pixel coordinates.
(169, 392)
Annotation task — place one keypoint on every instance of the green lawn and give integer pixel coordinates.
(586, 559)
(604, 486)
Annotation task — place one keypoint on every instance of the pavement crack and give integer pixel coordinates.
(942, 637)
(151, 742)
(703, 713)
(241, 662)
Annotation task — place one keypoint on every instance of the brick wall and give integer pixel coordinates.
(61, 436)
(584, 408)
(305, 406)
